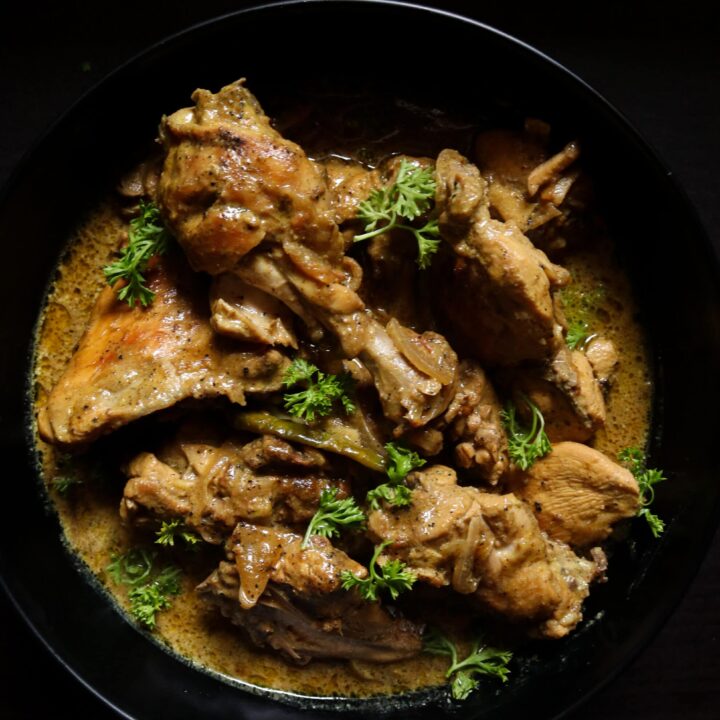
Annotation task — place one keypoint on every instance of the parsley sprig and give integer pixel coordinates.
(321, 392)
(147, 236)
(581, 308)
(171, 530)
(332, 514)
(393, 576)
(577, 333)
(63, 483)
(634, 459)
(67, 476)
(400, 462)
(525, 445)
(482, 660)
(410, 196)
(150, 586)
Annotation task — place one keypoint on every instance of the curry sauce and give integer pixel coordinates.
(89, 511)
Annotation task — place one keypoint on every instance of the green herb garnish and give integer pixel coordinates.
(410, 196)
(63, 483)
(398, 495)
(581, 307)
(170, 531)
(321, 391)
(400, 462)
(332, 514)
(482, 660)
(147, 236)
(66, 477)
(393, 576)
(577, 333)
(525, 445)
(150, 587)
(634, 459)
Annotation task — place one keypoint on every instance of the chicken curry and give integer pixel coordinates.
(336, 416)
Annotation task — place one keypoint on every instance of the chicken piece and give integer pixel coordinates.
(264, 272)
(212, 485)
(390, 285)
(603, 357)
(399, 365)
(265, 554)
(289, 598)
(566, 393)
(474, 422)
(413, 373)
(577, 493)
(498, 299)
(141, 181)
(327, 293)
(548, 172)
(230, 181)
(132, 362)
(349, 183)
(243, 312)
(489, 547)
(269, 451)
(515, 166)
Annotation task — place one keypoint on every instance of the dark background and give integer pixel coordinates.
(658, 62)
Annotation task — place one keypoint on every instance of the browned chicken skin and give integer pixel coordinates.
(134, 361)
(230, 181)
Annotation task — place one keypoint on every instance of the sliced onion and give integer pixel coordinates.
(464, 579)
(312, 264)
(429, 352)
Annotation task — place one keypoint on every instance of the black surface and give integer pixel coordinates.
(658, 64)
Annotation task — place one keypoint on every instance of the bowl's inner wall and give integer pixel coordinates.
(463, 67)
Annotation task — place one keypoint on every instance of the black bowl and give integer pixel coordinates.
(669, 258)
